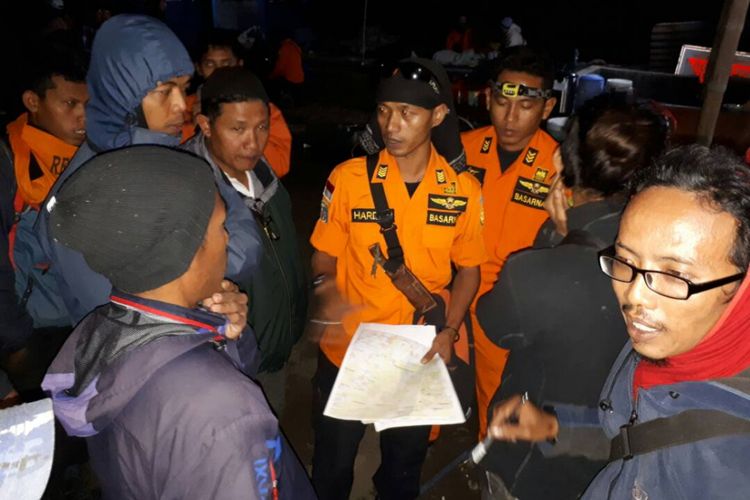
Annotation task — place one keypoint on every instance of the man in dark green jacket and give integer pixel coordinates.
(234, 127)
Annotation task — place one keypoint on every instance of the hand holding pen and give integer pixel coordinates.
(481, 449)
(517, 419)
(476, 454)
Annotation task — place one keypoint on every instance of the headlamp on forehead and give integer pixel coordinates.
(507, 89)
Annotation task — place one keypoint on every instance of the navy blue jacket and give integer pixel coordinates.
(130, 56)
(156, 392)
(712, 468)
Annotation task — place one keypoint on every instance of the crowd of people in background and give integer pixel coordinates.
(152, 280)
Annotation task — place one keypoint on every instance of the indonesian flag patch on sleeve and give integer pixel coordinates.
(328, 191)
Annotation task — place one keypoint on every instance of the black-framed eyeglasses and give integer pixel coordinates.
(663, 283)
(415, 71)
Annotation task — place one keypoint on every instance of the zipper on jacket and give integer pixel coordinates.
(272, 236)
(633, 418)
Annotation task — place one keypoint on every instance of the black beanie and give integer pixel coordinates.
(138, 214)
(230, 85)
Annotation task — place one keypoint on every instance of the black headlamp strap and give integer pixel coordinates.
(507, 89)
(385, 217)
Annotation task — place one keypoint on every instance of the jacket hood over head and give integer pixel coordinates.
(131, 55)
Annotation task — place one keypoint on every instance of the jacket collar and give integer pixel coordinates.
(204, 321)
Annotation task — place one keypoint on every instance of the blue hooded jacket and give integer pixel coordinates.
(130, 56)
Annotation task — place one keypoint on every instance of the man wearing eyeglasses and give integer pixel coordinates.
(512, 158)
(674, 418)
(435, 215)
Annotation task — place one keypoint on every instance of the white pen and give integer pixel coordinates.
(480, 450)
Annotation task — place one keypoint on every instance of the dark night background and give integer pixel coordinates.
(617, 32)
(340, 89)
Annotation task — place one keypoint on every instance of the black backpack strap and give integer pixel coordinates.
(686, 427)
(262, 171)
(583, 238)
(386, 218)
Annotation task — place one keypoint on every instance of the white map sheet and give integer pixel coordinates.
(27, 442)
(382, 381)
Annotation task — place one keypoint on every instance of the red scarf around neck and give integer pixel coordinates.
(723, 352)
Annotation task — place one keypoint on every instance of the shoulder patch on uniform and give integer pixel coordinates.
(541, 174)
(440, 176)
(486, 145)
(325, 203)
(477, 172)
(530, 157)
(382, 172)
(457, 203)
(437, 218)
(364, 215)
(328, 191)
(530, 193)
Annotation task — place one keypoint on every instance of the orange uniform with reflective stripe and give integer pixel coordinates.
(513, 205)
(439, 225)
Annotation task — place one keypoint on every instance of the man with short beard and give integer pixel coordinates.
(673, 420)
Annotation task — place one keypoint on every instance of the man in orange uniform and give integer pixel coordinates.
(512, 158)
(220, 51)
(45, 137)
(438, 217)
(38, 146)
(41, 143)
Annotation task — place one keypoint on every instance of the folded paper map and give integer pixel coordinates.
(382, 380)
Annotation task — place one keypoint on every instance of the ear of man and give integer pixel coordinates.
(30, 101)
(204, 123)
(438, 114)
(549, 105)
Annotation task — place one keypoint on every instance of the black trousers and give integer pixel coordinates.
(402, 449)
